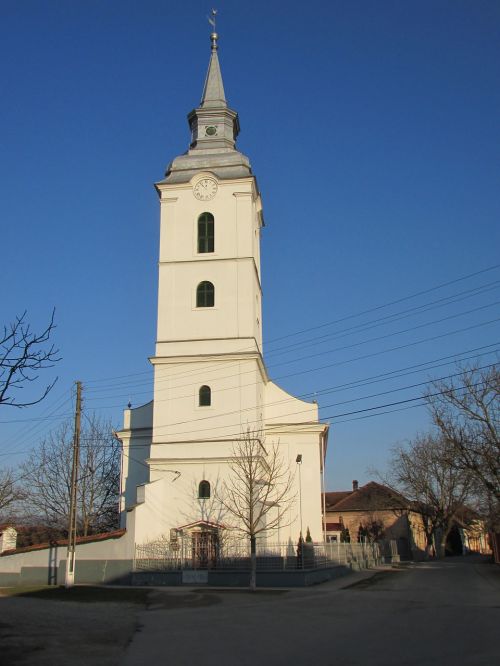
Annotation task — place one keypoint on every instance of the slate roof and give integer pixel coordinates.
(370, 497)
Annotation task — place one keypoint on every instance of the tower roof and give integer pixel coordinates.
(213, 90)
(214, 128)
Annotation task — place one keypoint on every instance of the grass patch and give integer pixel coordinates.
(80, 594)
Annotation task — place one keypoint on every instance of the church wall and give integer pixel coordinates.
(234, 311)
(233, 267)
(232, 209)
(136, 444)
(291, 444)
(135, 472)
(171, 502)
(282, 407)
(236, 398)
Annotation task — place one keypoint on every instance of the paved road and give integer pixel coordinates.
(424, 614)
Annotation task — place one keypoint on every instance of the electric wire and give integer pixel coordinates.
(341, 319)
(334, 335)
(349, 360)
(20, 437)
(216, 367)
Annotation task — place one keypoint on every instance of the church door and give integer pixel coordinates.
(204, 549)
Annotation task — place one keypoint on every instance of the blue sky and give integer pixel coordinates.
(372, 128)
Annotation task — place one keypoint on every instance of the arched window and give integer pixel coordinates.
(205, 295)
(206, 233)
(205, 396)
(204, 490)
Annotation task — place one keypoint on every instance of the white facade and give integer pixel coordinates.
(185, 436)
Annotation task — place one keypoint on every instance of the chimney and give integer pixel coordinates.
(354, 485)
(8, 538)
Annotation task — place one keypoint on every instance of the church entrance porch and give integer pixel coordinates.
(190, 547)
(204, 549)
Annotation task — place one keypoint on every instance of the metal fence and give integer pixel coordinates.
(189, 552)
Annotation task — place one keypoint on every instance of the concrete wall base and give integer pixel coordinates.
(241, 578)
(90, 572)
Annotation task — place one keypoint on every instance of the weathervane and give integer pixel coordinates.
(214, 35)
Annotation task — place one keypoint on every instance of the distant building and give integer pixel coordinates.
(375, 512)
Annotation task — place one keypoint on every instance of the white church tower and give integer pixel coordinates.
(210, 382)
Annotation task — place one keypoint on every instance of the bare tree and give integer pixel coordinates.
(47, 474)
(467, 413)
(10, 492)
(22, 354)
(423, 471)
(258, 494)
(371, 529)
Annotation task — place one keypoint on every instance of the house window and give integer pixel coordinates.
(205, 295)
(204, 490)
(206, 233)
(205, 396)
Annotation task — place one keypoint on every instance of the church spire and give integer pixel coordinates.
(214, 128)
(213, 91)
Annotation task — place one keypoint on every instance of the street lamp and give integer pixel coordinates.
(298, 460)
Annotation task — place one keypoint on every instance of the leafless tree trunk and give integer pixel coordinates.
(10, 493)
(467, 413)
(424, 473)
(22, 354)
(48, 478)
(258, 494)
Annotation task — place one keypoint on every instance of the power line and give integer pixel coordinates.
(335, 321)
(39, 421)
(218, 415)
(418, 342)
(298, 426)
(394, 374)
(388, 335)
(386, 305)
(358, 328)
(389, 319)
(296, 412)
(353, 359)
(226, 435)
(326, 389)
(216, 367)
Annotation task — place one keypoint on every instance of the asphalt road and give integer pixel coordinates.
(420, 614)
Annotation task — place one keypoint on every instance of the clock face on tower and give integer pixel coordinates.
(205, 189)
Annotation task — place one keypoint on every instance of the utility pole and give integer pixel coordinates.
(70, 556)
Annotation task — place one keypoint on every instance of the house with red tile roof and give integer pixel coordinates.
(375, 512)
